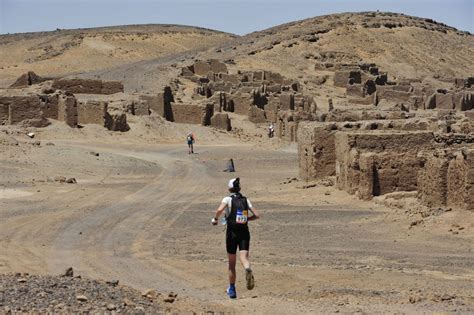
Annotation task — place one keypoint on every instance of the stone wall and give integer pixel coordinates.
(447, 179)
(25, 109)
(240, 103)
(87, 86)
(192, 114)
(92, 112)
(460, 180)
(3, 112)
(256, 115)
(389, 161)
(67, 110)
(221, 121)
(161, 103)
(116, 121)
(433, 179)
(316, 151)
(50, 105)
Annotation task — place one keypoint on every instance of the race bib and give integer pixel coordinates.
(241, 217)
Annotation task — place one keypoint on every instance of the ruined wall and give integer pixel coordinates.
(67, 110)
(22, 108)
(221, 121)
(50, 105)
(240, 103)
(3, 112)
(92, 112)
(390, 158)
(28, 79)
(460, 180)
(433, 179)
(192, 114)
(161, 103)
(116, 121)
(142, 107)
(256, 115)
(87, 86)
(316, 151)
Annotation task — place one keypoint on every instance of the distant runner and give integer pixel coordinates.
(271, 131)
(190, 140)
(237, 209)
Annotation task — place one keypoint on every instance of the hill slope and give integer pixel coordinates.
(83, 50)
(404, 46)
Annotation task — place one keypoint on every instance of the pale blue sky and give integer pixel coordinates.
(238, 17)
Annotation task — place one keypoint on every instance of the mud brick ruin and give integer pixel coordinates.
(400, 136)
(84, 86)
(32, 100)
(259, 95)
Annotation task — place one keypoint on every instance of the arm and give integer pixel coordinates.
(219, 211)
(255, 216)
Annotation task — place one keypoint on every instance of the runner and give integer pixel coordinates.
(190, 140)
(237, 209)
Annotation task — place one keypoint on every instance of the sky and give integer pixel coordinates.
(233, 16)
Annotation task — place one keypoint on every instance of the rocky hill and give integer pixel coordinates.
(405, 46)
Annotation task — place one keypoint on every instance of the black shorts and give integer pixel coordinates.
(237, 238)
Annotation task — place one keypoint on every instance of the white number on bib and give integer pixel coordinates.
(241, 216)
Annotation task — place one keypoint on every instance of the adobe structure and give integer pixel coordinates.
(33, 100)
(398, 136)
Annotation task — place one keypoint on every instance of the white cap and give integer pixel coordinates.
(231, 182)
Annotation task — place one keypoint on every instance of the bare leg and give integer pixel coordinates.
(244, 258)
(232, 274)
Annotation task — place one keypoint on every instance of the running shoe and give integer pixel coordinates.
(249, 279)
(231, 292)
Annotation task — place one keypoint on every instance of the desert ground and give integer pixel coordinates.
(129, 210)
(140, 213)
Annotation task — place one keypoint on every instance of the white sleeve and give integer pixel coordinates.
(249, 203)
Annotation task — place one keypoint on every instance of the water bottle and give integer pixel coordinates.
(223, 220)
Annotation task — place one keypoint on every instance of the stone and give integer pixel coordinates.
(81, 298)
(69, 272)
(111, 307)
(60, 179)
(71, 180)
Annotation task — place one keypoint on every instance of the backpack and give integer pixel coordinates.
(189, 138)
(239, 212)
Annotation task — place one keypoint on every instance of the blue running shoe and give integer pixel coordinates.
(231, 292)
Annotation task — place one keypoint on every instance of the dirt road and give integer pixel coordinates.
(141, 214)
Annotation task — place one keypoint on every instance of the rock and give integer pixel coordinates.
(36, 143)
(150, 293)
(111, 307)
(69, 272)
(168, 300)
(81, 298)
(71, 180)
(60, 179)
(21, 280)
(31, 134)
(49, 144)
(94, 153)
(113, 283)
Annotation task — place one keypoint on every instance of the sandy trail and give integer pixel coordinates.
(147, 223)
